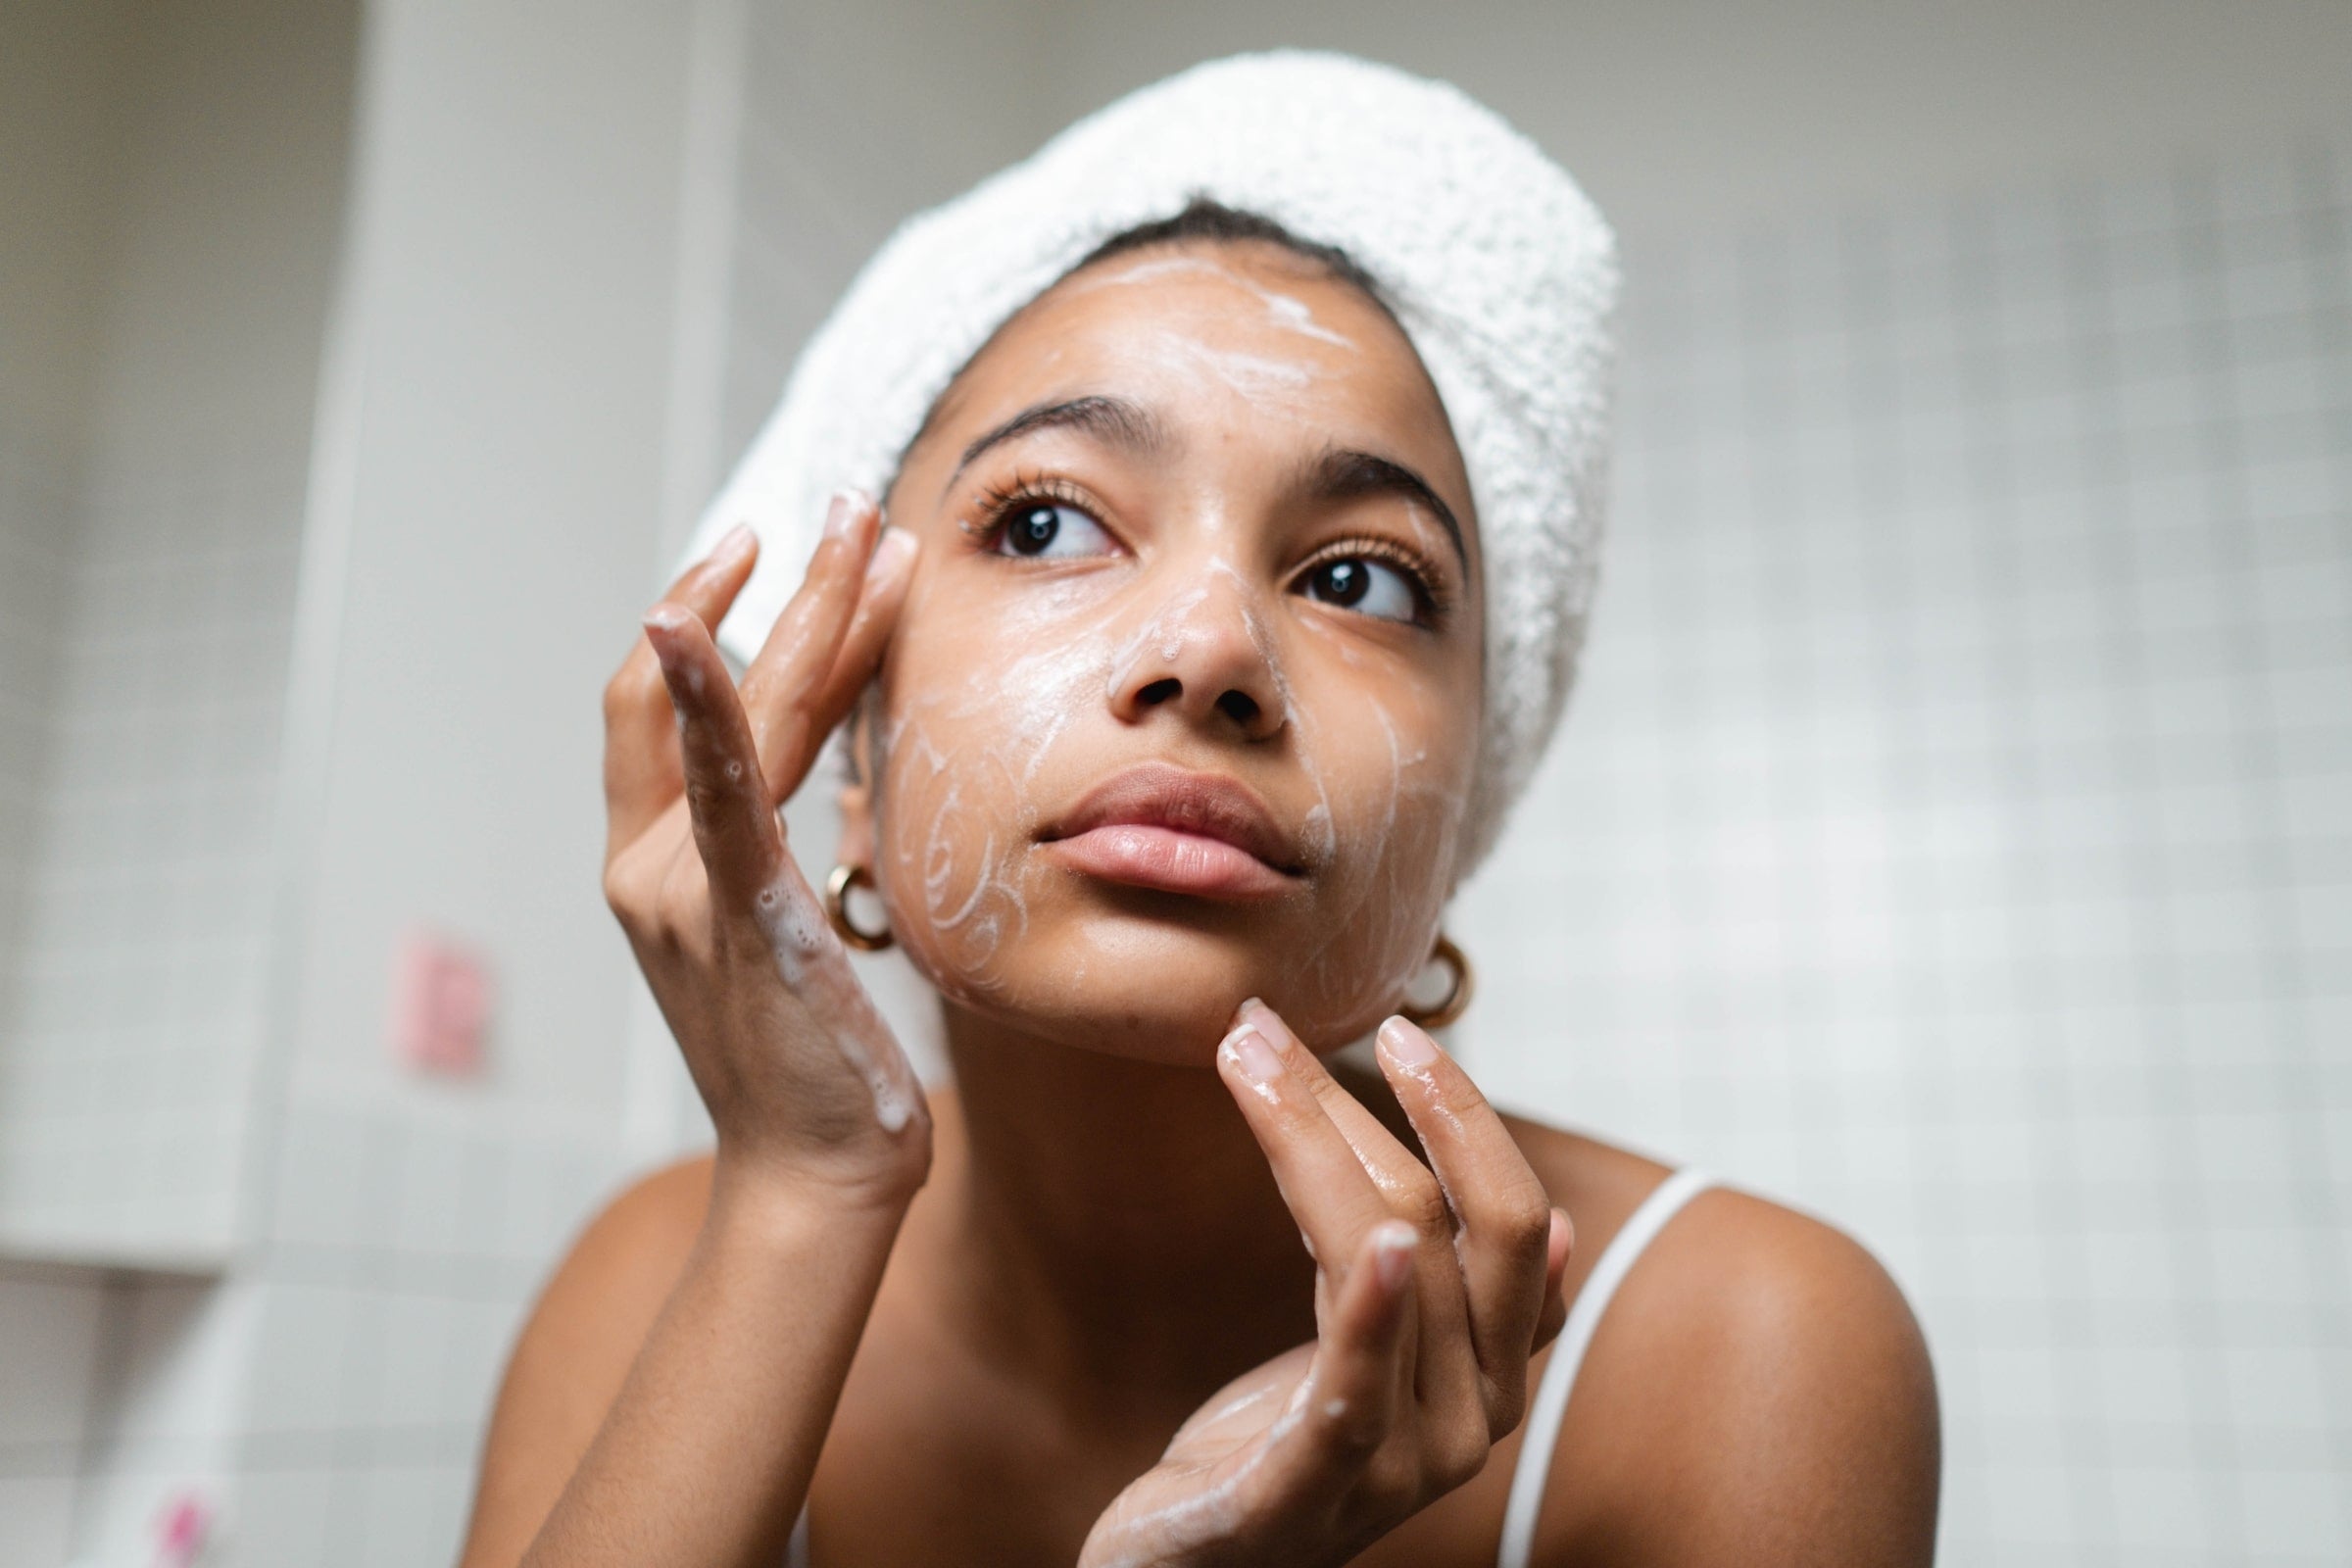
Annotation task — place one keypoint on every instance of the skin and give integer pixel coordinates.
(1063, 1312)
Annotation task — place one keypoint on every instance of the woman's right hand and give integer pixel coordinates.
(801, 1076)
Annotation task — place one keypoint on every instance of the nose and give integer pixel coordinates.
(1205, 654)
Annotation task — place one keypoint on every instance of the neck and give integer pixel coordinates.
(1111, 1223)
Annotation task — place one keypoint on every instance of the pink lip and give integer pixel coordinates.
(1166, 828)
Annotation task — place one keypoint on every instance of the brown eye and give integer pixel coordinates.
(1363, 585)
(1049, 530)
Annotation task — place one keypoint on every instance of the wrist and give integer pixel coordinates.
(760, 1188)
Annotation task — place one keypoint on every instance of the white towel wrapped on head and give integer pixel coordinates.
(1502, 273)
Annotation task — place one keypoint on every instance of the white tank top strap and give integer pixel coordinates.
(1551, 1403)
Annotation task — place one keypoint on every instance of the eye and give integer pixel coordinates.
(1366, 586)
(1050, 530)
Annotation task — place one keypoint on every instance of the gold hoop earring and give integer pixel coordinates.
(837, 909)
(1456, 1000)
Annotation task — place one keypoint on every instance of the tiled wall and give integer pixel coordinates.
(328, 1400)
(142, 941)
(1953, 831)
(37, 506)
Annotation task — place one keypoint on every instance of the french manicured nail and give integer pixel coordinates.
(734, 542)
(1408, 1046)
(1392, 1251)
(896, 549)
(840, 513)
(665, 619)
(1253, 1055)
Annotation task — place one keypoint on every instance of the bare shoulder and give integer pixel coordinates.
(576, 1351)
(1759, 1392)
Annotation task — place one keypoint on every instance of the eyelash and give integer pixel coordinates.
(999, 502)
(1432, 601)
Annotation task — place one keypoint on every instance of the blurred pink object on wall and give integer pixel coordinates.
(440, 1004)
(181, 1528)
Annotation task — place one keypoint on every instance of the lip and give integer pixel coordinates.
(1169, 828)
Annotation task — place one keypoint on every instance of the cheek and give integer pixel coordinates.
(1394, 781)
(964, 733)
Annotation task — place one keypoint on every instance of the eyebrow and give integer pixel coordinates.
(1115, 421)
(1343, 473)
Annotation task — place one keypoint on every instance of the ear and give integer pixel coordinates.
(856, 799)
(857, 845)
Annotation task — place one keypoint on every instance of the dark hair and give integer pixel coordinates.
(1201, 218)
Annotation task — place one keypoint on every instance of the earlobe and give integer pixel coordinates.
(857, 826)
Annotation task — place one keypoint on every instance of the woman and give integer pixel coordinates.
(1229, 585)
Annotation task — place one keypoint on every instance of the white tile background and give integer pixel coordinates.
(144, 920)
(37, 511)
(1953, 831)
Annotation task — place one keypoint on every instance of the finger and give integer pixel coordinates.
(1448, 1370)
(1560, 1246)
(887, 573)
(1500, 1206)
(782, 687)
(1322, 1182)
(641, 733)
(734, 826)
(1404, 1180)
(1360, 1371)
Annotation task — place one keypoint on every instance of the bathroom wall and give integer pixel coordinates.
(200, 177)
(174, 178)
(1953, 831)
(483, 521)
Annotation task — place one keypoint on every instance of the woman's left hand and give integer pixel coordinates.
(1431, 1293)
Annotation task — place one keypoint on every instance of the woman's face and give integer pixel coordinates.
(1185, 700)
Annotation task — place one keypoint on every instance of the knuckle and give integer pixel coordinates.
(1422, 1203)
(1525, 1230)
(626, 693)
(1457, 1451)
(620, 897)
(1357, 1433)
(1393, 1480)
(705, 801)
(679, 907)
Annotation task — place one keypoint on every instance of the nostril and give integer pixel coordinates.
(1240, 707)
(1159, 691)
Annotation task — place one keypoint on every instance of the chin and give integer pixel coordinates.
(1152, 989)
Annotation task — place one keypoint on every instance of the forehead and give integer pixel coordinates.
(1226, 341)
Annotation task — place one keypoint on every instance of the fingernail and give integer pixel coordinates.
(1253, 1055)
(733, 542)
(1408, 1046)
(666, 618)
(1392, 1251)
(1269, 1021)
(842, 510)
(838, 513)
(896, 549)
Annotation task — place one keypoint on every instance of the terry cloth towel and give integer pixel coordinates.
(1502, 274)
